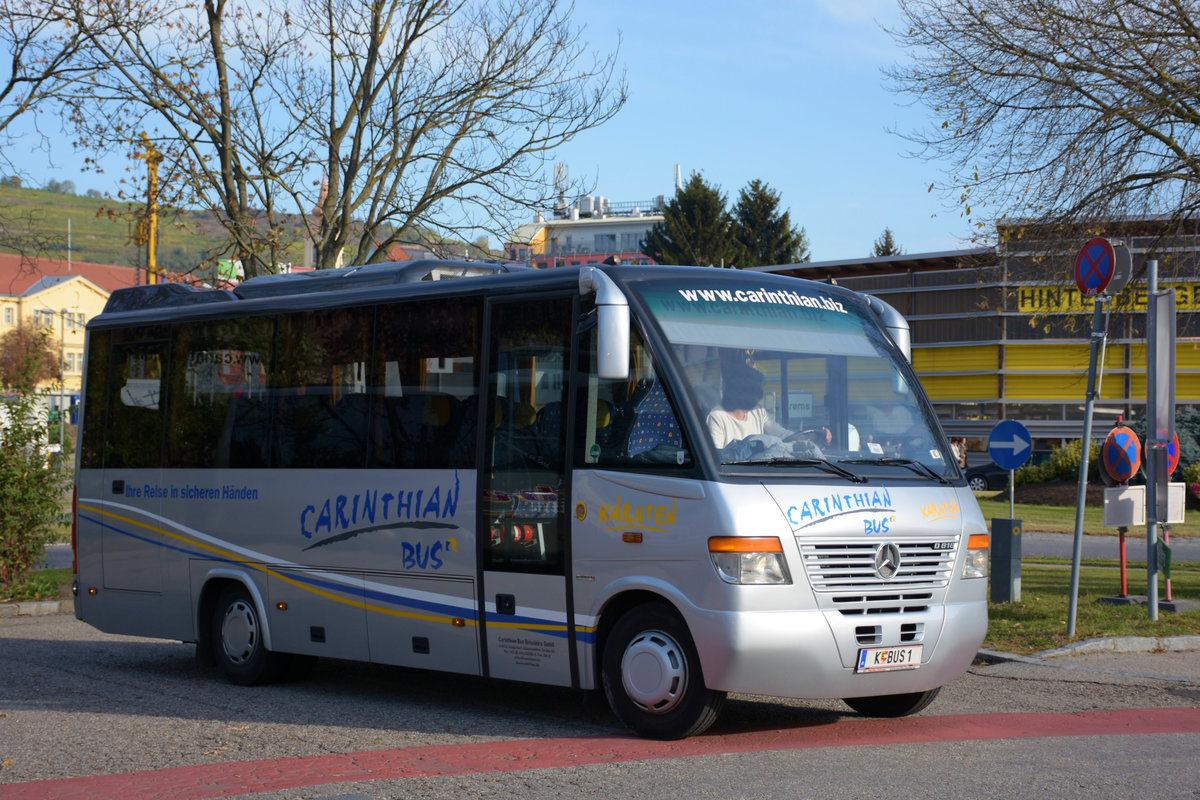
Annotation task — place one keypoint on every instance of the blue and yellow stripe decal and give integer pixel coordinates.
(373, 597)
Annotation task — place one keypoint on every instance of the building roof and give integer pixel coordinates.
(18, 275)
(918, 262)
(45, 283)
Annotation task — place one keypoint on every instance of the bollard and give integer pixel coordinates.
(1006, 560)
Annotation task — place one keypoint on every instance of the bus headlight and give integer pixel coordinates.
(749, 559)
(975, 565)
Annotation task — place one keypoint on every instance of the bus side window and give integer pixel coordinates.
(95, 401)
(317, 420)
(133, 435)
(629, 422)
(218, 415)
(424, 385)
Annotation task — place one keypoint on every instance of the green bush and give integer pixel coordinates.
(31, 488)
(1063, 465)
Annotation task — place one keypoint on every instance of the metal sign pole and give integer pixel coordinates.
(1012, 493)
(1098, 334)
(1152, 477)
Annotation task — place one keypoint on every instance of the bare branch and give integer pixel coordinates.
(1064, 112)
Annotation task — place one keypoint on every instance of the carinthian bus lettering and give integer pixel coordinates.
(836, 504)
(344, 516)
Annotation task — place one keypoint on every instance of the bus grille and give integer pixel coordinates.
(849, 568)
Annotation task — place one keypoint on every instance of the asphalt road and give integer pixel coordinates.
(131, 718)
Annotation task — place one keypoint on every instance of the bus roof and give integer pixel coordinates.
(381, 282)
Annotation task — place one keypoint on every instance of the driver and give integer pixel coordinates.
(740, 414)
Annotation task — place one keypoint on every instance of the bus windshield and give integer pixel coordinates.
(787, 377)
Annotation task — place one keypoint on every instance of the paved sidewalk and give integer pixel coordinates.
(1167, 658)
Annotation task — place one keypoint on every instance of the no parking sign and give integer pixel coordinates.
(1102, 267)
(1173, 454)
(1121, 454)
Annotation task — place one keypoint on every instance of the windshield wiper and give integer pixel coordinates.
(798, 461)
(894, 461)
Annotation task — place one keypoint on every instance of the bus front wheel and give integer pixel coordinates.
(652, 677)
(892, 705)
(237, 636)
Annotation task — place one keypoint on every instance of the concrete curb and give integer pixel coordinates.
(40, 608)
(1125, 644)
(1134, 645)
(1113, 644)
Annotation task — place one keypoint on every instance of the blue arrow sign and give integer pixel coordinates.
(1010, 444)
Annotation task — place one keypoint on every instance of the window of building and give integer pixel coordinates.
(8, 315)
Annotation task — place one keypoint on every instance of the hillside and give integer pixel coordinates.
(102, 231)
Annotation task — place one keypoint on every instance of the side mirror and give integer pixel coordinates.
(612, 324)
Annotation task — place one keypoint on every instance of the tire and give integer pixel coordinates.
(652, 677)
(978, 483)
(237, 640)
(892, 705)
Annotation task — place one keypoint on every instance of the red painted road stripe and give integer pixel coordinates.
(247, 777)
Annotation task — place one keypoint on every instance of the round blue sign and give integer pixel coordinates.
(1010, 444)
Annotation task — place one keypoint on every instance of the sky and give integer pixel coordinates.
(789, 92)
(786, 91)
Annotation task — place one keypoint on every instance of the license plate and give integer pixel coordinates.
(884, 659)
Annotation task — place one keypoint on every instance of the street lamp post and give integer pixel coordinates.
(62, 380)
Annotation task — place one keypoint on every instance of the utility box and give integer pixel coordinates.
(1006, 561)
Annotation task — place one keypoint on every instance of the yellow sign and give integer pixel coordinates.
(1068, 299)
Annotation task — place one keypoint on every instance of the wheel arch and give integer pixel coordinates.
(215, 582)
(616, 607)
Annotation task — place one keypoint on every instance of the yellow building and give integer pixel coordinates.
(61, 305)
(59, 296)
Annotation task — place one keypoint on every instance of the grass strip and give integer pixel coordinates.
(1039, 620)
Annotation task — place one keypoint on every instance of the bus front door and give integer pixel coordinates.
(524, 602)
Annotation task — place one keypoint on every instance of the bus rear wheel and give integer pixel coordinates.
(652, 677)
(237, 636)
(892, 705)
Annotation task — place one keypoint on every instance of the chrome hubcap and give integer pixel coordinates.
(239, 632)
(654, 672)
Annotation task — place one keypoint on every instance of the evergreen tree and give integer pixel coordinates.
(763, 234)
(695, 229)
(886, 245)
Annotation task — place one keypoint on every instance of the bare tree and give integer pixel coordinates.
(363, 123)
(1061, 112)
(40, 54)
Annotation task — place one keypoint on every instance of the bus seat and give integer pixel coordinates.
(654, 423)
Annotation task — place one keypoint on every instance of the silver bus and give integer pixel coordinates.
(663, 483)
